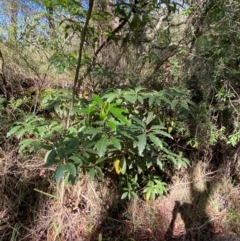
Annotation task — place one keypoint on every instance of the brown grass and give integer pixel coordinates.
(33, 207)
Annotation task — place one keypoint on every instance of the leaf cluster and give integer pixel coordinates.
(123, 132)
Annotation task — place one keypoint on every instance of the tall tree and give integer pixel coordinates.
(12, 33)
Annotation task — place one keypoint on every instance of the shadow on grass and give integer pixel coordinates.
(197, 224)
(20, 202)
(114, 226)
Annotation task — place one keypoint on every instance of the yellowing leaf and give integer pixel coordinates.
(170, 129)
(147, 197)
(117, 166)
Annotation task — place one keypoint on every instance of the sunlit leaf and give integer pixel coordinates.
(101, 146)
(141, 143)
(112, 125)
(13, 130)
(123, 165)
(25, 143)
(97, 99)
(130, 98)
(117, 112)
(124, 195)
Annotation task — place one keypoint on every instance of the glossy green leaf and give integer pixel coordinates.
(142, 139)
(123, 165)
(101, 146)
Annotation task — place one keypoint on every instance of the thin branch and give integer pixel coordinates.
(83, 36)
(90, 67)
(6, 94)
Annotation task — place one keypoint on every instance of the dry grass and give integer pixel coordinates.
(33, 207)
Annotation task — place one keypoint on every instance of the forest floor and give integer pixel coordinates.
(33, 207)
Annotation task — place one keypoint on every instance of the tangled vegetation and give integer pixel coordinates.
(138, 99)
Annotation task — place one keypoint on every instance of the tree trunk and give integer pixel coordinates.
(12, 33)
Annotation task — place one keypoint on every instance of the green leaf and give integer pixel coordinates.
(157, 127)
(130, 98)
(116, 143)
(112, 125)
(97, 99)
(100, 237)
(59, 173)
(99, 160)
(174, 103)
(99, 171)
(101, 146)
(155, 140)
(139, 88)
(124, 195)
(76, 159)
(150, 117)
(141, 143)
(13, 130)
(140, 99)
(51, 158)
(22, 132)
(70, 178)
(123, 165)
(91, 173)
(71, 168)
(37, 145)
(139, 122)
(134, 195)
(117, 112)
(92, 130)
(25, 143)
(163, 133)
(151, 99)
(110, 96)
(165, 99)
(159, 163)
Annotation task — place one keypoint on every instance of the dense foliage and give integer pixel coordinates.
(79, 98)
